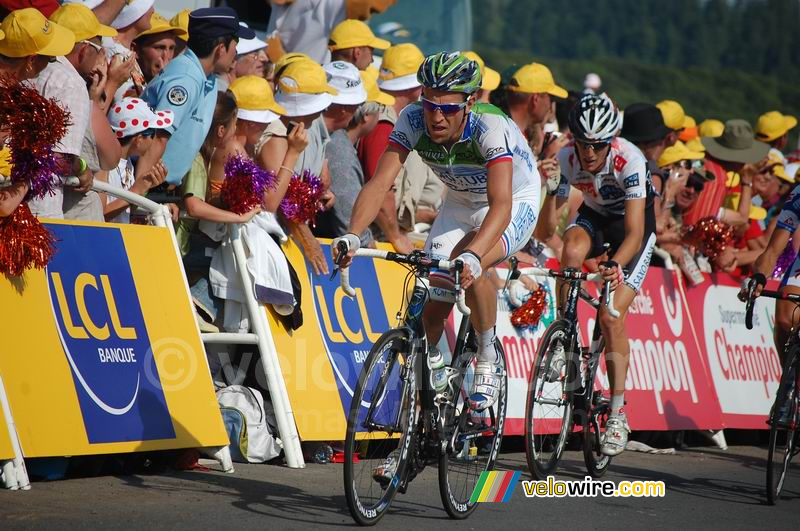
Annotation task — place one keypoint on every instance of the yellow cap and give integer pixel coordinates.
(5, 162)
(689, 129)
(27, 32)
(776, 161)
(81, 21)
(696, 144)
(181, 20)
(757, 213)
(399, 67)
(305, 77)
(677, 152)
(255, 100)
(289, 58)
(535, 78)
(351, 33)
(158, 24)
(711, 128)
(490, 78)
(370, 79)
(674, 116)
(773, 125)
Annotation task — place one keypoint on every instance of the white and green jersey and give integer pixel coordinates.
(489, 137)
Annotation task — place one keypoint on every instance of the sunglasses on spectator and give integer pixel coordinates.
(696, 184)
(445, 108)
(94, 45)
(594, 146)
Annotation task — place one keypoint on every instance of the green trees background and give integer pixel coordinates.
(720, 58)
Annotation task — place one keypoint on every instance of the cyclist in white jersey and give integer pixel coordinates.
(617, 211)
(490, 209)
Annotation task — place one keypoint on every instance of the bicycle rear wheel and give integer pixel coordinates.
(783, 443)
(474, 443)
(548, 412)
(379, 427)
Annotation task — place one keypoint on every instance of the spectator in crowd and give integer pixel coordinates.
(105, 10)
(135, 125)
(689, 131)
(729, 152)
(304, 92)
(251, 57)
(131, 21)
(155, 47)
(676, 164)
(398, 78)
(674, 118)
(352, 115)
(592, 84)
(352, 41)
(188, 87)
(60, 81)
(306, 25)
(100, 148)
(749, 238)
(181, 20)
(490, 79)
(708, 127)
(773, 128)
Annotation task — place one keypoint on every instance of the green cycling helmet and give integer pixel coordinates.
(451, 72)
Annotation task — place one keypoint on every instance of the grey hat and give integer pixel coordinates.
(737, 144)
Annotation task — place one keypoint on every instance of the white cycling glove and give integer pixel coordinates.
(353, 242)
(471, 259)
(517, 293)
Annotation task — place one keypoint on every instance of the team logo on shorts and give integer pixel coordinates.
(177, 95)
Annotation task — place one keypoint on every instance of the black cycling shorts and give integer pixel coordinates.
(611, 229)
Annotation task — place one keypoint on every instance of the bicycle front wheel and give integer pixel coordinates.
(783, 443)
(593, 417)
(548, 412)
(474, 443)
(379, 428)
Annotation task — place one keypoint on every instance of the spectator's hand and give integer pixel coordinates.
(550, 171)
(402, 244)
(353, 244)
(298, 138)
(247, 216)
(119, 70)
(675, 183)
(529, 283)
(327, 200)
(313, 252)
(85, 181)
(151, 179)
(749, 171)
(725, 261)
(174, 212)
(99, 77)
(552, 147)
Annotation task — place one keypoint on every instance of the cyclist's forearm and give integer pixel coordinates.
(765, 264)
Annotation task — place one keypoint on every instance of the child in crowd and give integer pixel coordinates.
(135, 124)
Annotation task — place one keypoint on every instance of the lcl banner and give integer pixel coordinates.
(101, 353)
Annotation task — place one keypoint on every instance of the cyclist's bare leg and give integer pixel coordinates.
(616, 336)
(787, 317)
(577, 244)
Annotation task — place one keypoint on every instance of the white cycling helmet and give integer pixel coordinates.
(594, 119)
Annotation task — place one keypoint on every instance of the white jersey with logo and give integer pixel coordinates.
(489, 137)
(624, 177)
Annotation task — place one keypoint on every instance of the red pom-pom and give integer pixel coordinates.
(24, 242)
(301, 202)
(710, 236)
(531, 312)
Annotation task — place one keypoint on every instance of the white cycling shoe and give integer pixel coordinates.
(615, 438)
(384, 473)
(485, 385)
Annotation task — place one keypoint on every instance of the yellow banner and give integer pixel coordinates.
(101, 351)
(321, 360)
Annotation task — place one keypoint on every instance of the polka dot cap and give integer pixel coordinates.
(131, 116)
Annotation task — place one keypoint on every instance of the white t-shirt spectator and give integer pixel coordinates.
(122, 177)
(305, 25)
(63, 83)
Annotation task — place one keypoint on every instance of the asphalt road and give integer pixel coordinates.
(706, 488)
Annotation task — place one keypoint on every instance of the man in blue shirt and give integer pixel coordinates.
(188, 88)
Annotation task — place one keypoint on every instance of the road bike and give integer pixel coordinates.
(561, 387)
(784, 436)
(395, 415)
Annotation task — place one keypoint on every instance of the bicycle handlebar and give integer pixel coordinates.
(451, 265)
(751, 301)
(608, 295)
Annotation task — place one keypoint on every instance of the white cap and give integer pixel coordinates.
(791, 170)
(592, 81)
(301, 104)
(91, 4)
(399, 83)
(133, 11)
(344, 77)
(131, 116)
(249, 45)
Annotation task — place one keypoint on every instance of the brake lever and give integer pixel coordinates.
(342, 248)
(511, 272)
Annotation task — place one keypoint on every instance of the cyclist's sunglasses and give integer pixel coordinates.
(594, 146)
(446, 108)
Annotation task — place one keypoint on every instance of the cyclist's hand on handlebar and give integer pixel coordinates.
(472, 268)
(757, 281)
(612, 273)
(350, 243)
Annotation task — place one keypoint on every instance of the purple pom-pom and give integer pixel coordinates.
(245, 184)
